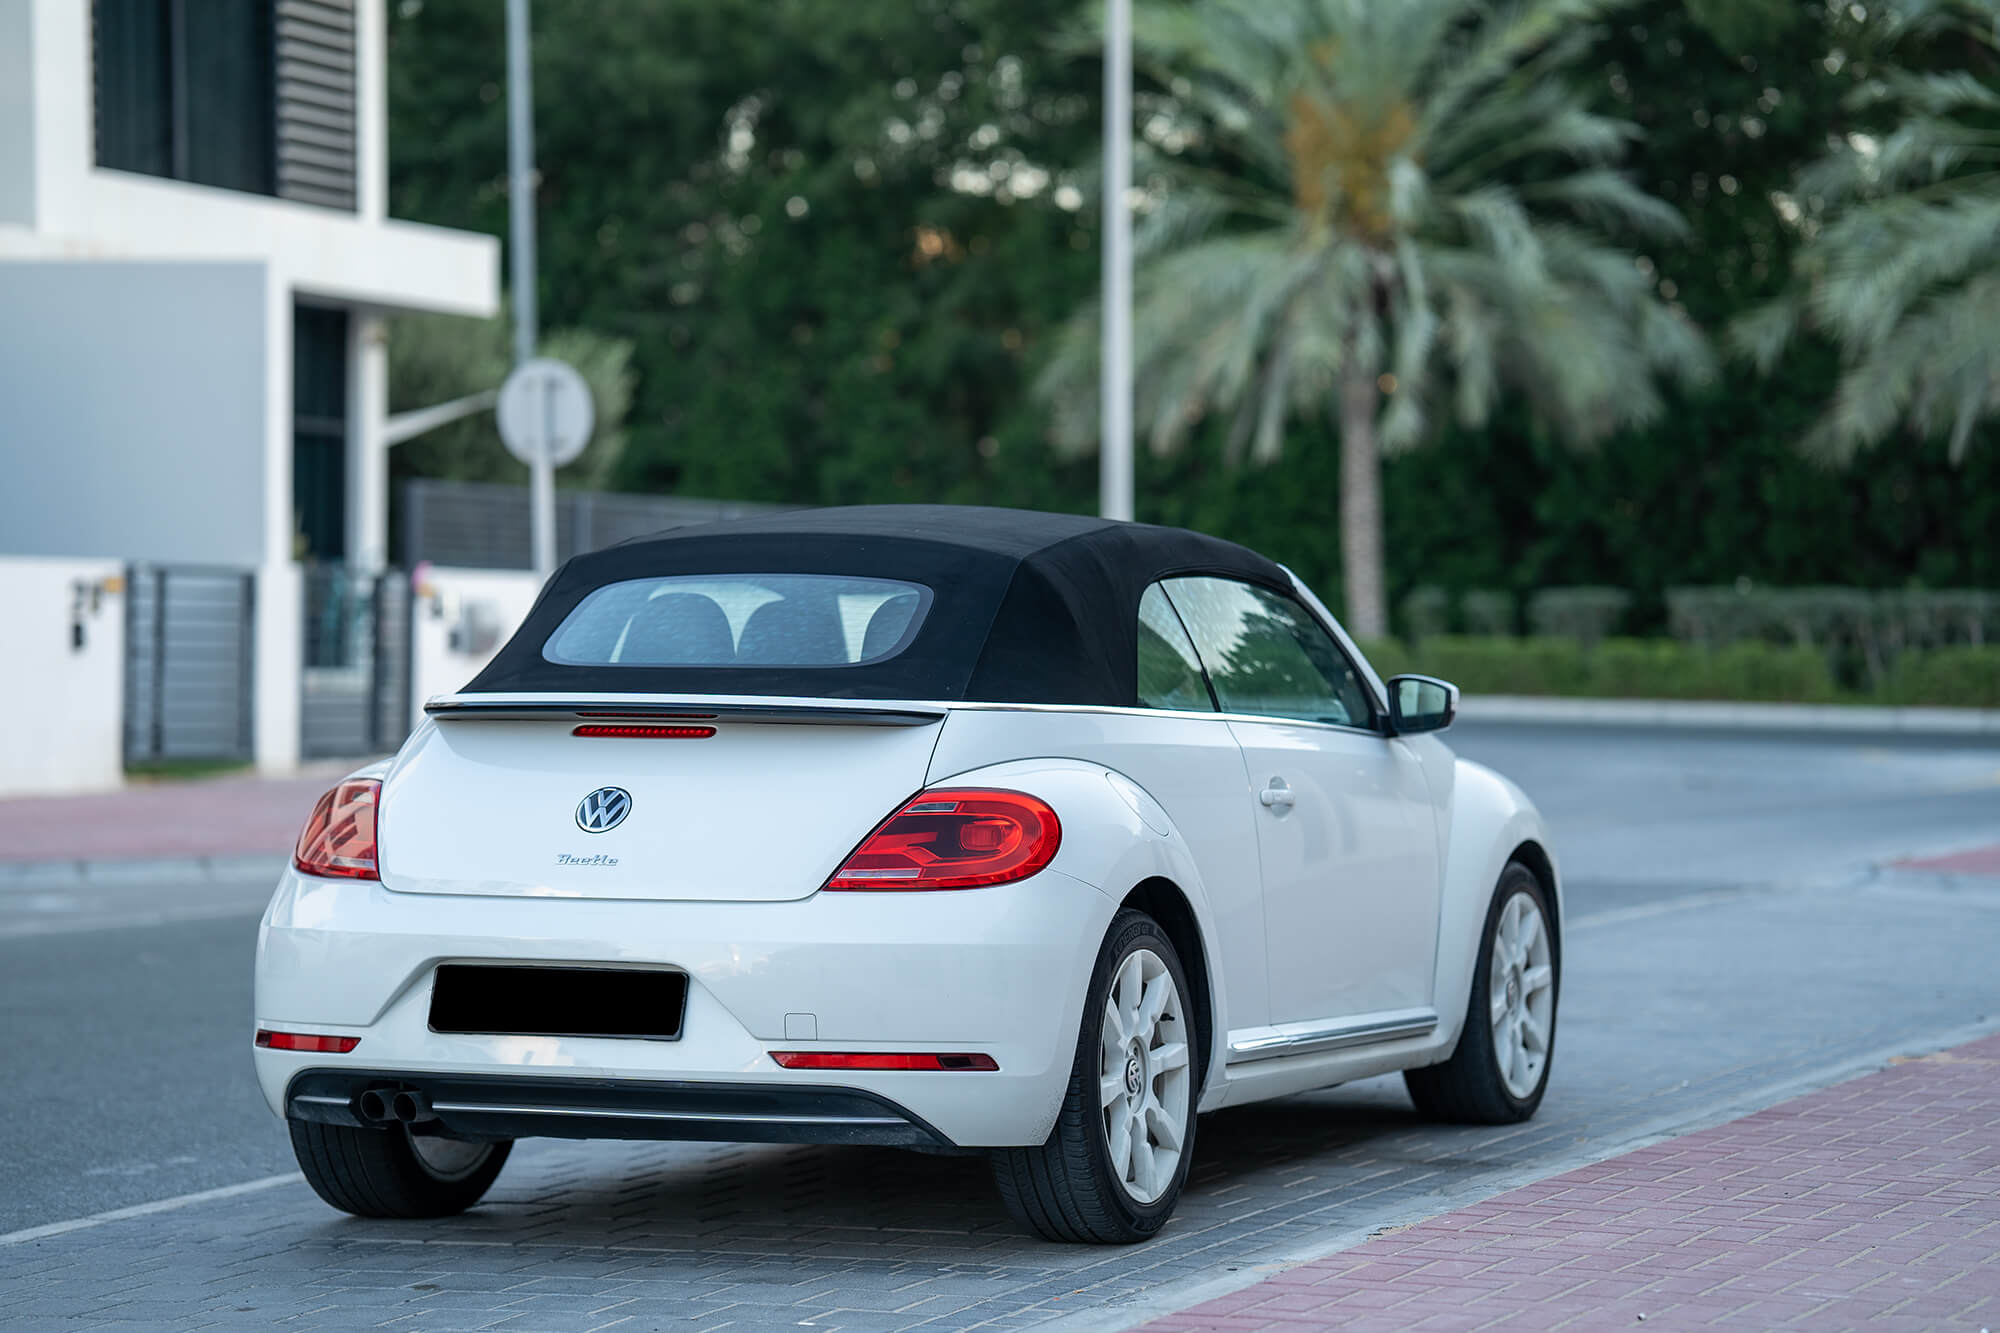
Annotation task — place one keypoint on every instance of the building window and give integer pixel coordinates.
(242, 94)
(319, 433)
(184, 98)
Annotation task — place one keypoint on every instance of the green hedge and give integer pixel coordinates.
(1960, 677)
(1668, 669)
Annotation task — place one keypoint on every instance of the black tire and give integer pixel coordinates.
(1468, 1088)
(378, 1172)
(1066, 1190)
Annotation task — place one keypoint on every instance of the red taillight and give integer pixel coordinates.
(306, 1041)
(644, 733)
(339, 836)
(879, 1060)
(954, 839)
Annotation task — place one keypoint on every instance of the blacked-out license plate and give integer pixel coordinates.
(558, 1001)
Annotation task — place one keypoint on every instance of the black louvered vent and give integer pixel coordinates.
(316, 130)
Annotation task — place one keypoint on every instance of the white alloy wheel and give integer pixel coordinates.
(1145, 1084)
(1521, 999)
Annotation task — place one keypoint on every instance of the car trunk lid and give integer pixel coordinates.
(732, 800)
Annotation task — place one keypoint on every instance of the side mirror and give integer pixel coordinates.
(1421, 703)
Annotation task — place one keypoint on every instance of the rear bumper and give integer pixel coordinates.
(517, 1107)
(1001, 972)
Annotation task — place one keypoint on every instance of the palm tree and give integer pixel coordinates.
(1387, 210)
(1901, 261)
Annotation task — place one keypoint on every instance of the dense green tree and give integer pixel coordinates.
(1403, 216)
(834, 234)
(879, 345)
(1902, 262)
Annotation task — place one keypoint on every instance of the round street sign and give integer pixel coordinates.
(545, 412)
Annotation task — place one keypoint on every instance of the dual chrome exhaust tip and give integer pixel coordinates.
(384, 1105)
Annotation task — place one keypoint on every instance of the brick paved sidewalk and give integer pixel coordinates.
(190, 817)
(1875, 1202)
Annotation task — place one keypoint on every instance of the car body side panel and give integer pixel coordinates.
(1489, 818)
(1350, 870)
(1486, 819)
(1191, 784)
(1116, 836)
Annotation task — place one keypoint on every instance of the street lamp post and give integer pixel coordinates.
(521, 231)
(1114, 452)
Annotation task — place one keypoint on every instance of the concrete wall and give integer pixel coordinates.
(61, 706)
(17, 113)
(457, 611)
(132, 411)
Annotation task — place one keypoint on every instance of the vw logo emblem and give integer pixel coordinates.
(603, 810)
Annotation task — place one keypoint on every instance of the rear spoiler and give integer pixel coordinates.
(832, 712)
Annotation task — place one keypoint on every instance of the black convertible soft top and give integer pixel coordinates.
(1027, 607)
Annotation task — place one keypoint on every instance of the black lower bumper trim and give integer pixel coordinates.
(529, 1106)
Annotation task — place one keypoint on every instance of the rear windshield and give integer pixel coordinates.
(745, 620)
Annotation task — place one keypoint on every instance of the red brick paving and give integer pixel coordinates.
(1978, 861)
(191, 817)
(1875, 1202)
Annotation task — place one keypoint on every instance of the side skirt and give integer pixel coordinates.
(1316, 1037)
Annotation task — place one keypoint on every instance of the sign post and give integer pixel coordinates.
(545, 416)
(521, 241)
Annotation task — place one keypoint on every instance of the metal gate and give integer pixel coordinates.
(355, 683)
(188, 645)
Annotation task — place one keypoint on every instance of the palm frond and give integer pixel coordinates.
(1761, 335)
(1418, 191)
(1503, 47)
(1609, 199)
(1881, 259)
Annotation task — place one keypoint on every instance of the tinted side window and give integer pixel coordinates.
(1267, 656)
(1169, 671)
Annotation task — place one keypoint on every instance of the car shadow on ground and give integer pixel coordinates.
(842, 1204)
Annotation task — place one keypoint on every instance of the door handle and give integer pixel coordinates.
(1278, 796)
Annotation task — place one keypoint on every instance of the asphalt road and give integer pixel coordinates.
(1735, 936)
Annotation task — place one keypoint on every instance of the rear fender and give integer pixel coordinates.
(1490, 817)
(1115, 837)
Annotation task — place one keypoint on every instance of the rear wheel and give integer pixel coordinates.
(392, 1172)
(1113, 1167)
(1501, 1067)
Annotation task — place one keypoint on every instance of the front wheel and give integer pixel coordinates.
(393, 1173)
(1501, 1067)
(1113, 1167)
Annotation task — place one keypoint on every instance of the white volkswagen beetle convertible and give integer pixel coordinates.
(963, 829)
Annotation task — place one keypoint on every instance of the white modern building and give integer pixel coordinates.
(195, 261)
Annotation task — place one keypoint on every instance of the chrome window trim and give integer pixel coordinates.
(1315, 1037)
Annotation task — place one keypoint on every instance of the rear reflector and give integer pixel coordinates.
(634, 732)
(339, 837)
(306, 1041)
(954, 838)
(879, 1060)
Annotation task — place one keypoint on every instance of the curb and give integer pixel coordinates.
(176, 869)
(1843, 719)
